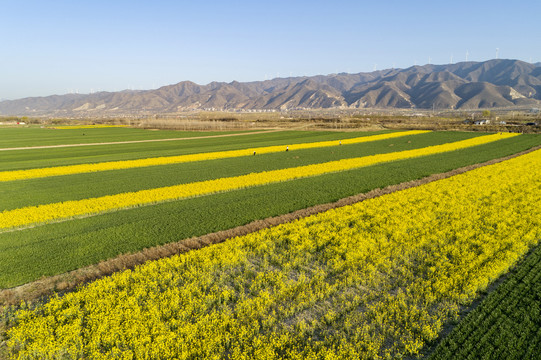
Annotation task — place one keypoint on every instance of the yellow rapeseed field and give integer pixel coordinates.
(374, 280)
(166, 160)
(68, 209)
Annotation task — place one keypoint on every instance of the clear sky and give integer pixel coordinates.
(57, 47)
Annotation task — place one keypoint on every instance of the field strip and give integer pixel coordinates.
(138, 141)
(76, 127)
(65, 210)
(167, 160)
(508, 305)
(70, 280)
(379, 278)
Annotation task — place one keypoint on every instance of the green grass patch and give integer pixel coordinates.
(51, 249)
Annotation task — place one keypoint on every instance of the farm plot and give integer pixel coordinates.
(377, 279)
(59, 247)
(130, 164)
(506, 325)
(83, 154)
(68, 209)
(11, 137)
(86, 185)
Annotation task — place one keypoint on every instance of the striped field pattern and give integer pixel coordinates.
(166, 160)
(68, 209)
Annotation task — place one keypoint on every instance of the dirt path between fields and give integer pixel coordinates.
(140, 141)
(68, 281)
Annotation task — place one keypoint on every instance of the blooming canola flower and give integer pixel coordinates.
(65, 210)
(373, 280)
(167, 160)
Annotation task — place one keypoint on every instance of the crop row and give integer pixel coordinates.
(56, 248)
(165, 160)
(65, 210)
(89, 185)
(373, 280)
(191, 143)
(506, 325)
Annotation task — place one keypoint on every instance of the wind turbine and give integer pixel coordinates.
(497, 53)
(467, 53)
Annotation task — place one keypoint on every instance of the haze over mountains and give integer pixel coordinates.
(465, 85)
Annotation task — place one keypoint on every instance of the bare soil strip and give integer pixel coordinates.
(69, 281)
(139, 141)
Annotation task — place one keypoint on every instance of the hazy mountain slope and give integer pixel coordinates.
(307, 93)
(468, 85)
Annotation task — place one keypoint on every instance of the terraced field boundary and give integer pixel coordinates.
(66, 282)
(21, 217)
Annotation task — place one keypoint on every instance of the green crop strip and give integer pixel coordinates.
(167, 160)
(373, 280)
(56, 248)
(29, 159)
(25, 137)
(74, 187)
(65, 210)
(506, 325)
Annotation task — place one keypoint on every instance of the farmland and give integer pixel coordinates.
(166, 160)
(506, 325)
(372, 280)
(292, 291)
(28, 158)
(66, 210)
(13, 137)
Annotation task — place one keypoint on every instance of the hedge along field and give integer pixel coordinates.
(66, 210)
(47, 250)
(16, 194)
(167, 160)
(11, 137)
(374, 280)
(39, 158)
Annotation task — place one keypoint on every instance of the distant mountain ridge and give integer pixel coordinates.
(465, 85)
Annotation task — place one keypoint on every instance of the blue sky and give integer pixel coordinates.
(57, 47)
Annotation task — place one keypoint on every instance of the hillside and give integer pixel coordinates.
(465, 85)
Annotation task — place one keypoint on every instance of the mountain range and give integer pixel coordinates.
(466, 85)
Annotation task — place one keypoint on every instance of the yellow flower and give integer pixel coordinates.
(374, 280)
(68, 209)
(167, 160)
